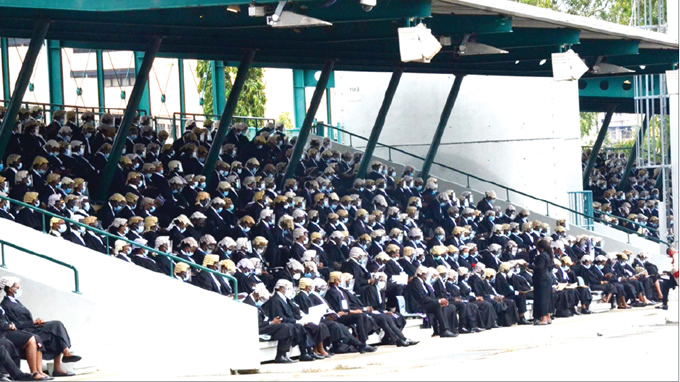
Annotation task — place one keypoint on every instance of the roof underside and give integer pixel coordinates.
(359, 40)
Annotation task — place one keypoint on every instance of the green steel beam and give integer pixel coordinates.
(227, 114)
(531, 37)
(4, 51)
(309, 118)
(598, 144)
(145, 100)
(379, 121)
(632, 157)
(141, 85)
(608, 87)
(182, 93)
(299, 100)
(443, 120)
(39, 33)
(55, 72)
(100, 81)
(218, 86)
(452, 25)
(121, 5)
(594, 48)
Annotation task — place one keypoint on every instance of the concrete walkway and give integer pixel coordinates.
(578, 348)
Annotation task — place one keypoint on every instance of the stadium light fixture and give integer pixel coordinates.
(567, 66)
(417, 44)
(472, 48)
(605, 68)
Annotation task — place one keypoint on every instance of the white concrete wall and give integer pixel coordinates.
(518, 131)
(128, 319)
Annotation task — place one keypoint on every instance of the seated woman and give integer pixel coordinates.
(28, 344)
(52, 334)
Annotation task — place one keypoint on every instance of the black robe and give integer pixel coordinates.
(52, 334)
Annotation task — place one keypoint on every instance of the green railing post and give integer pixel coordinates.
(37, 38)
(4, 50)
(598, 144)
(443, 120)
(55, 74)
(2, 249)
(100, 81)
(380, 122)
(138, 91)
(77, 280)
(633, 154)
(227, 114)
(309, 118)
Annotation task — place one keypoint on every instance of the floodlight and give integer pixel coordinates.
(417, 44)
(368, 5)
(567, 66)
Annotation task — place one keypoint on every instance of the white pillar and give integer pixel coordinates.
(672, 83)
(672, 17)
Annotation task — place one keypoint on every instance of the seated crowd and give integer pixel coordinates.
(638, 203)
(357, 248)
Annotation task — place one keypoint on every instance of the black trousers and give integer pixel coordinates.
(359, 322)
(388, 324)
(487, 314)
(283, 333)
(666, 287)
(9, 358)
(435, 311)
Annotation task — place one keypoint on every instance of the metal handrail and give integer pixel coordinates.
(76, 277)
(52, 107)
(109, 236)
(508, 190)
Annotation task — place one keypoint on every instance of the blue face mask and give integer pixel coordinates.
(440, 237)
(117, 208)
(2, 166)
(231, 208)
(465, 255)
(175, 191)
(152, 210)
(219, 210)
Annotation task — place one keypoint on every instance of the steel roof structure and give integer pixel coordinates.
(359, 40)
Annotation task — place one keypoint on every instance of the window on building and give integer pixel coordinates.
(113, 78)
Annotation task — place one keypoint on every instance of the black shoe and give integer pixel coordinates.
(448, 333)
(367, 349)
(412, 342)
(283, 360)
(575, 312)
(495, 326)
(476, 330)
(464, 330)
(402, 343)
(71, 359)
(523, 321)
(67, 374)
(587, 311)
(306, 358)
(317, 356)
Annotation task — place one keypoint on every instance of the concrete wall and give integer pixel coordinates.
(520, 132)
(128, 319)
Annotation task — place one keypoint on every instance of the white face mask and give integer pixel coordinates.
(18, 293)
(289, 293)
(297, 276)
(382, 285)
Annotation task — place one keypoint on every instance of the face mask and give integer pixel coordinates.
(440, 237)
(600, 266)
(140, 229)
(565, 268)
(117, 208)
(382, 285)
(289, 294)
(465, 255)
(259, 303)
(246, 229)
(62, 228)
(18, 294)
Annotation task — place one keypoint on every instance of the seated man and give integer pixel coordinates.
(423, 298)
(274, 327)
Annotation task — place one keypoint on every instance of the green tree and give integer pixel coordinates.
(285, 119)
(251, 102)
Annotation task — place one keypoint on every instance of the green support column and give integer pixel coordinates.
(443, 120)
(182, 100)
(380, 121)
(4, 47)
(37, 38)
(227, 114)
(100, 81)
(633, 156)
(219, 86)
(299, 101)
(309, 118)
(134, 103)
(598, 144)
(55, 73)
(145, 100)
(329, 115)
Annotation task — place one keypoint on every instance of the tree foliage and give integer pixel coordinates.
(252, 100)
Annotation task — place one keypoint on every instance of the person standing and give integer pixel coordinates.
(542, 266)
